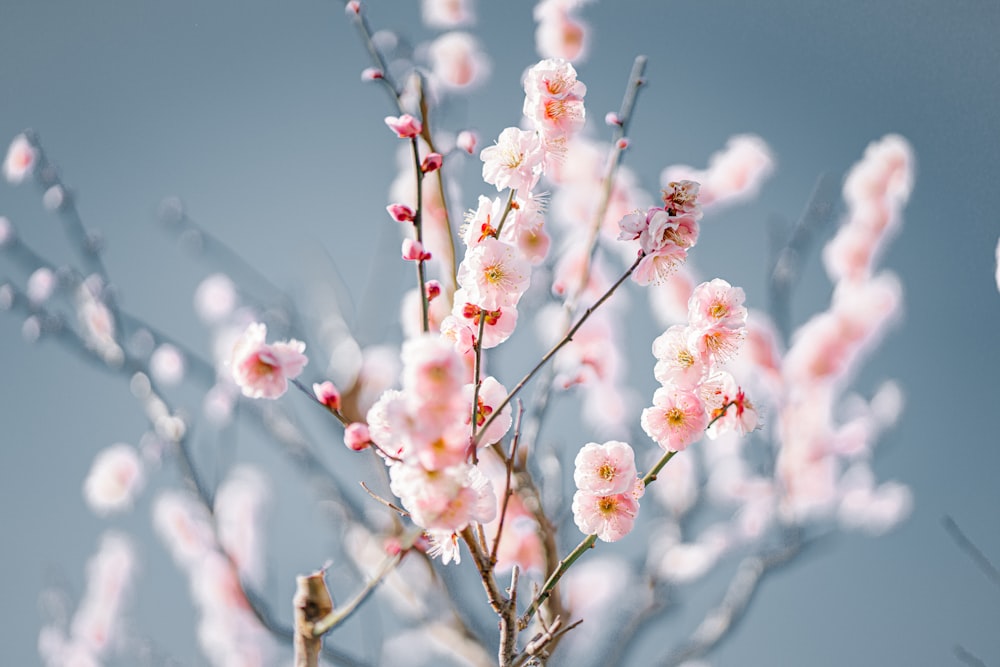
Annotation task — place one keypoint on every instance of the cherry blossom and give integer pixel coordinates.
(676, 418)
(515, 161)
(262, 370)
(606, 469)
(20, 160)
(610, 517)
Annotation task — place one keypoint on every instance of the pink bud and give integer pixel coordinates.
(611, 118)
(433, 289)
(352, 7)
(414, 251)
(405, 126)
(431, 163)
(623, 143)
(371, 74)
(466, 141)
(356, 436)
(401, 212)
(327, 394)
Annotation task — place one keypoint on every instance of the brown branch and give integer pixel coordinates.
(312, 602)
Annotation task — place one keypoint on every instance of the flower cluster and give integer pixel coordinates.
(608, 490)
(695, 391)
(665, 234)
(424, 431)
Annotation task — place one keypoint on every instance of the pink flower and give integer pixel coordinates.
(166, 365)
(554, 99)
(431, 368)
(718, 342)
(356, 436)
(262, 370)
(41, 284)
(491, 394)
(432, 162)
(681, 197)
(676, 419)
(401, 212)
(678, 362)
(515, 161)
(656, 268)
(20, 160)
(405, 126)
(327, 394)
(609, 517)
(215, 298)
(494, 274)
(717, 304)
(560, 34)
(445, 14)
(115, 478)
(413, 251)
(457, 61)
(606, 469)
(466, 141)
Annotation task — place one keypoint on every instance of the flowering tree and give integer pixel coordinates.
(768, 453)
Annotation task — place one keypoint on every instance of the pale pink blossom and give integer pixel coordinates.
(262, 370)
(494, 274)
(484, 222)
(499, 324)
(457, 61)
(41, 285)
(554, 99)
(327, 394)
(405, 126)
(734, 174)
(215, 298)
(491, 394)
(432, 370)
(730, 408)
(675, 420)
(717, 304)
(605, 469)
(609, 517)
(184, 526)
(515, 161)
(875, 510)
(445, 14)
(444, 543)
(466, 141)
(655, 268)
(718, 343)
(389, 423)
(166, 365)
(560, 34)
(116, 476)
(681, 197)
(109, 577)
(356, 436)
(679, 363)
(447, 499)
(20, 160)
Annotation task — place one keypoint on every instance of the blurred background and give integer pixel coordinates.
(254, 114)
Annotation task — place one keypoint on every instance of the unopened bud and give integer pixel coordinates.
(356, 436)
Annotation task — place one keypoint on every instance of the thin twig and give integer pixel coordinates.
(981, 560)
(508, 491)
